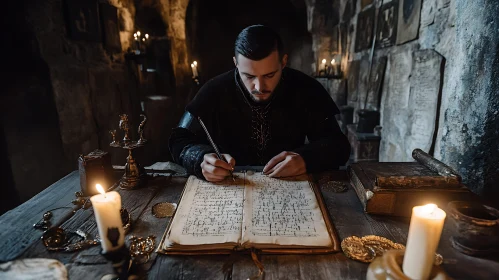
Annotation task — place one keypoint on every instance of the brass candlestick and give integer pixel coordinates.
(135, 174)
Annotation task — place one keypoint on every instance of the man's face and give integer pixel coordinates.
(260, 77)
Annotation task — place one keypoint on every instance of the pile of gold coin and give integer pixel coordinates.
(367, 248)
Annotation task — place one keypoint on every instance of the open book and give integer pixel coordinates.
(255, 211)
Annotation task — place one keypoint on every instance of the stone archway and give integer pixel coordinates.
(212, 28)
(174, 13)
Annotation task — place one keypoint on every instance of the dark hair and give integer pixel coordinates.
(256, 42)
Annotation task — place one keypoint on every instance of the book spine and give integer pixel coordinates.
(407, 182)
(357, 186)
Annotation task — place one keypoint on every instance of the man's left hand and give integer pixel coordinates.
(285, 164)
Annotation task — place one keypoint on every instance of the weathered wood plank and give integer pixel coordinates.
(16, 226)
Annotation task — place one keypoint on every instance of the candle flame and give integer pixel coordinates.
(143, 39)
(192, 65)
(429, 208)
(333, 61)
(100, 189)
(138, 33)
(147, 36)
(195, 63)
(324, 61)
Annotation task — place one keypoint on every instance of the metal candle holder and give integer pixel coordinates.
(135, 174)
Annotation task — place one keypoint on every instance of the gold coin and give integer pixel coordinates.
(335, 186)
(164, 209)
(354, 248)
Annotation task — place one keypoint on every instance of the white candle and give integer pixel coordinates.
(424, 234)
(107, 215)
(196, 67)
(194, 70)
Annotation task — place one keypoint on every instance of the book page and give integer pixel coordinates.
(283, 212)
(208, 213)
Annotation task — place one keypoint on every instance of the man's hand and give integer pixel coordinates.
(214, 169)
(285, 164)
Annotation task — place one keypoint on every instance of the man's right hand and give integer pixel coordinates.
(215, 169)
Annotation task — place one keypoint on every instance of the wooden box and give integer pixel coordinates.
(365, 146)
(95, 168)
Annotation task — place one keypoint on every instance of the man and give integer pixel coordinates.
(260, 113)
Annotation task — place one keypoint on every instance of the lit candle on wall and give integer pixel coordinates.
(194, 69)
(107, 215)
(333, 66)
(324, 64)
(424, 234)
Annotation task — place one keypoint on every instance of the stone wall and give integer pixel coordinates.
(463, 128)
(62, 95)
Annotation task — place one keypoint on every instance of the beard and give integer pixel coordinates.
(260, 96)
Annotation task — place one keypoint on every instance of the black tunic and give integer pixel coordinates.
(299, 109)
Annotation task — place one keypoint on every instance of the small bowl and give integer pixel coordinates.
(477, 228)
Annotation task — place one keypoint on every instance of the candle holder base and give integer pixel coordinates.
(389, 266)
(120, 260)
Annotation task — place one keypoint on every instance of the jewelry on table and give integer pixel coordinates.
(81, 201)
(45, 223)
(57, 239)
(126, 219)
(164, 209)
(141, 248)
(367, 248)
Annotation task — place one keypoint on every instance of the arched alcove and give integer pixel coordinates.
(212, 27)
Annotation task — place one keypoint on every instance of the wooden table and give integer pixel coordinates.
(18, 238)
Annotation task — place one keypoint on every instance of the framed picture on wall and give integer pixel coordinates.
(110, 27)
(386, 34)
(365, 30)
(83, 20)
(335, 39)
(343, 37)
